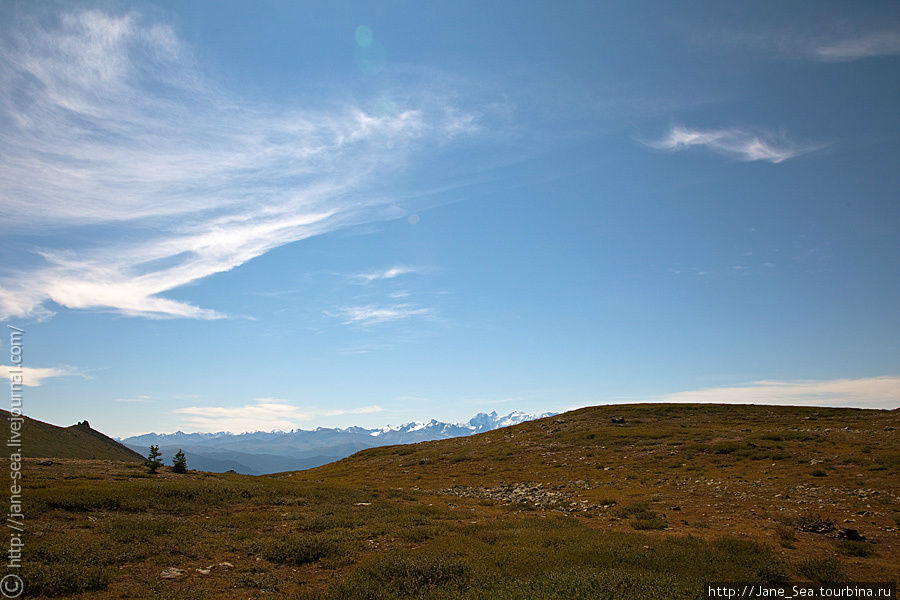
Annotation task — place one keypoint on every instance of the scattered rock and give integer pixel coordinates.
(203, 571)
(226, 565)
(173, 573)
(617, 419)
(45, 463)
(363, 504)
(537, 495)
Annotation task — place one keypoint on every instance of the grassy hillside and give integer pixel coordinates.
(633, 502)
(42, 440)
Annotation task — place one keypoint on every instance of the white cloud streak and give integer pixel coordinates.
(367, 315)
(265, 414)
(734, 142)
(35, 376)
(882, 43)
(872, 392)
(819, 44)
(136, 399)
(389, 273)
(154, 178)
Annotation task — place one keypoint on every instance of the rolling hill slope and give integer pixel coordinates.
(640, 441)
(707, 470)
(43, 440)
(633, 502)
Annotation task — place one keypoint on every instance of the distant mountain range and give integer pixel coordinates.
(272, 452)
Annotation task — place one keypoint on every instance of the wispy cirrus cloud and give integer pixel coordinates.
(823, 43)
(366, 315)
(389, 273)
(153, 177)
(737, 143)
(135, 399)
(846, 49)
(264, 414)
(870, 392)
(35, 376)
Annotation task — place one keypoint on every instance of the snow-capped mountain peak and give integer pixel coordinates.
(478, 424)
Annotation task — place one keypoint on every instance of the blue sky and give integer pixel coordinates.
(234, 216)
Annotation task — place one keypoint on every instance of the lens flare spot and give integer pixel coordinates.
(413, 219)
(363, 36)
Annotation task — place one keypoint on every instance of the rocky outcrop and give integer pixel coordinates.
(536, 495)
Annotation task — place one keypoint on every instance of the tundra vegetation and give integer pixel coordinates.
(625, 502)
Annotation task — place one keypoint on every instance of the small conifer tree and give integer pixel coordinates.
(153, 461)
(179, 463)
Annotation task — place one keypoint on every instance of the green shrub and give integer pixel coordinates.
(299, 550)
(638, 510)
(726, 447)
(417, 535)
(128, 530)
(643, 517)
(856, 548)
(655, 523)
(405, 575)
(265, 582)
(822, 570)
(786, 535)
(63, 579)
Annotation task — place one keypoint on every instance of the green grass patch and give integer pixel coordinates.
(51, 580)
(822, 570)
(300, 550)
(857, 548)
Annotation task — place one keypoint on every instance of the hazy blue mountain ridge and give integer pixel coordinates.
(274, 451)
